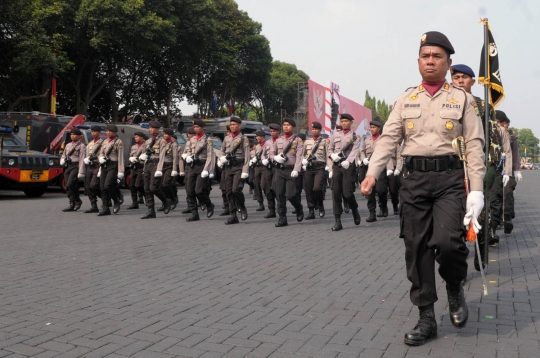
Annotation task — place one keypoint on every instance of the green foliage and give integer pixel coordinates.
(379, 109)
(527, 140)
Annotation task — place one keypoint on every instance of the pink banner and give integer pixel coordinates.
(316, 105)
(361, 114)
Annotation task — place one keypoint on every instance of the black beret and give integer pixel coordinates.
(316, 125)
(95, 128)
(174, 136)
(140, 134)
(291, 121)
(112, 128)
(76, 131)
(145, 137)
(190, 130)
(236, 119)
(339, 127)
(260, 133)
(168, 131)
(154, 124)
(274, 126)
(501, 116)
(435, 38)
(302, 136)
(375, 123)
(462, 69)
(198, 122)
(346, 116)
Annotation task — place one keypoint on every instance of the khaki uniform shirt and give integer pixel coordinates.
(369, 148)
(340, 140)
(241, 154)
(117, 152)
(78, 155)
(295, 154)
(321, 156)
(136, 150)
(428, 125)
(267, 149)
(168, 154)
(93, 147)
(181, 163)
(507, 150)
(205, 151)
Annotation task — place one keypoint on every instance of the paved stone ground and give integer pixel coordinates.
(75, 285)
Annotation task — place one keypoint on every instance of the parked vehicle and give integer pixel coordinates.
(526, 166)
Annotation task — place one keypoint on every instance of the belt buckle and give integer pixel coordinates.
(431, 164)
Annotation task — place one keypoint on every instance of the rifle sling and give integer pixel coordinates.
(233, 151)
(73, 150)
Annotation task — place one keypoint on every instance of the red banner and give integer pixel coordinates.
(316, 105)
(361, 114)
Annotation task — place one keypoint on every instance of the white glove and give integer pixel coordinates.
(475, 204)
(220, 164)
(143, 157)
(80, 176)
(359, 162)
(204, 174)
(223, 159)
(102, 159)
(396, 172)
(120, 175)
(174, 173)
(366, 161)
(304, 162)
(518, 176)
(280, 158)
(335, 157)
(252, 161)
(244, 175)
(184, 156)
(326, 168)
(86, 161)
(506, 178)
(62, 161)
(345, 164)
(330, 175)
(182, 174)
(304, 167)
(133, 159)
(189, 159)
(265, 162)
(389, 172)
(99, 173)
(211, 176)
(158, 174)
(294, 174)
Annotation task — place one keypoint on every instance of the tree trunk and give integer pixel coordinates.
(113, 100)
(167, 123)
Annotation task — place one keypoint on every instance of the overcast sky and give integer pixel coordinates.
(373, 45)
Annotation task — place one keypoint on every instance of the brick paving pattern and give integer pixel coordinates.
(75, 285)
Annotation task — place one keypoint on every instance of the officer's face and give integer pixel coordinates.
(464, 81)
(374, 130)
(74, 137)
(153, 131)
(191, 135)
(259, 138)
(138, 139)
(166, 136)
(287, 128)
(316, 132)
(433, 63)
(198, 129)
(235, 127)
(111, 134)
(274, 133)
(96, 134)
(345, 124)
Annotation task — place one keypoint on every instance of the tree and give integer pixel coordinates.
(527, 142)
(379, 109)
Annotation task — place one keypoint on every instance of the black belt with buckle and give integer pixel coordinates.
(434, 164)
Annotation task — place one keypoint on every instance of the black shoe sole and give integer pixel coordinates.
(419, 343)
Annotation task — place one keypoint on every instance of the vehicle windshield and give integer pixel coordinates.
(181, 140)
(12, 140)
(216, 142)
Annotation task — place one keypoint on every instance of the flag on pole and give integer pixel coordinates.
(53, 96)
(493, 77)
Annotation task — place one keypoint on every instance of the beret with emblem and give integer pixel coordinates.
(375, 123)
(501, 116)
(346, 116)
(435, 38)
(95, 128)
(198, 122)
(112, 128)
(260, 133)
(168, 131)
(236, 119)
(316, 125)
(140, 134)
(291, 121)
(154, 124)
(190, 130)
(76, 131)
(462, 69)
(274, 126)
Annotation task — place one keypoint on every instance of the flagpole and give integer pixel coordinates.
(487, 137)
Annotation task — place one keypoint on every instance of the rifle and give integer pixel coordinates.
(311, 156)
(230, 154)
(150, 149)
(109, 151)
(93, 157)
(341, 154)
(196, 155)
(285, 151)
(67, 161)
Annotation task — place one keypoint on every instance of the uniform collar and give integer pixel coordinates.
(445, 87)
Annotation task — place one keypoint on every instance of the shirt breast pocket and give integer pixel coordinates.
(450, 122)
(337, 145)
(412, 120)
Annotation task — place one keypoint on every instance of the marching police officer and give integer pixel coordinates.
(199, 155)
(73, 160)
(343, 150)
(268, 148)
(317, 163)
(190, 134)
(91, 180)
(259, 170)
(111, 160)
(168, 165)
(287, 156)
(432, 194)
(136, 181)
(234, 157)
(393, 172)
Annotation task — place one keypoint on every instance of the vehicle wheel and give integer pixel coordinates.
(35, 192)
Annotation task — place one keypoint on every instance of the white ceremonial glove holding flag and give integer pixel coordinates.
(86, 161)
(475, 204)
(204, 174)
(158, 174)
(505, 179)
(335, 157)
(345, 164)
(244, 175)
(518, 176)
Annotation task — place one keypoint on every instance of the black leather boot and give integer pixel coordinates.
(93, 209)
(337, 226)
(104, 211)
(371, 218)
(425, 329)
(233, 219)
(495, 238)
(167, 206)
(141, 201)
(271, 214)
(244, 213)
(300, 213)
(186, 211)
(77, 205)
(70, 207)
(383, 212)
(310, 215)
(261, 207)
(225, 212)
(210, 211)
(174, 202)
(321, 210)
(356, 216)
(396, 210)
(282, 221)
(346, 207)
(194, 216)
(116, 206)
(459, 312)
(150, 214)
(162, 207)
(508, 226)
(121, 197)
(134, 205)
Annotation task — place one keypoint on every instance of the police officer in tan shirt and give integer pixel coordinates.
(73, 161)
(434, 206)
(111, 160)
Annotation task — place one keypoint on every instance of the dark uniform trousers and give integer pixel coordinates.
(168, 180)
(509, 212)
(234, 185)
(362, 170)
(223, 188)
(72, 181)
(314, 179)
(271, 193)
(343, 184)
(393, 186)
(299, 185)
(197, 187)
(496, 198)
(152, 185)
(381, 190)
(136, 183)
(108, 183)
(259, 183)
(285, 189)
(432, 211)
(92, 183)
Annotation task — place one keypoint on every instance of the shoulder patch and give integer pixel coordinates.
(246, 141)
